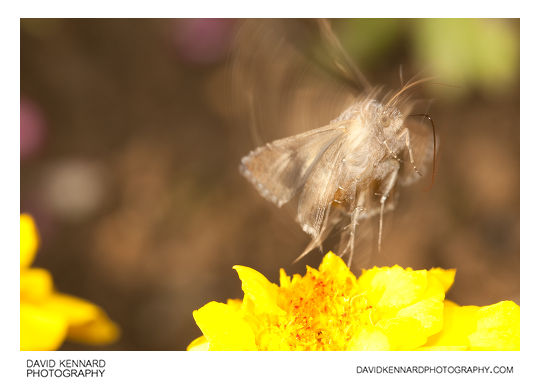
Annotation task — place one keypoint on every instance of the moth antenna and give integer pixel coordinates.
(407, 87)
(401, 75)
(414, 78)
(448, 85)
(331, 38)
(428, 116)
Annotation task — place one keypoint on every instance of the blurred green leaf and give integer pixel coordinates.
(469, 53)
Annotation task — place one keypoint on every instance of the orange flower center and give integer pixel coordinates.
(322, 313)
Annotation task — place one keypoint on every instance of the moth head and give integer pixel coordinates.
(389, 120)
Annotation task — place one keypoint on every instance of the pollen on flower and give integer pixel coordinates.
(323, 313)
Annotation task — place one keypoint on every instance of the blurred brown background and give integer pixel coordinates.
(132, 132)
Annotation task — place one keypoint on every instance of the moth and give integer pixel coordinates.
(346, 171)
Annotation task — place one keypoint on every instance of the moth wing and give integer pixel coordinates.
(280, 168)
(319, 190)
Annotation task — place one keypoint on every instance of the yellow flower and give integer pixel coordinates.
(387, 308)
(491, 328)
(49, 317)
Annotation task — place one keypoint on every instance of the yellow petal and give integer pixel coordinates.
(390, 289)
(273, 341)
(296, 278)
(428, 312)
(404, 334)
(261, 292)
(497, 328)
(369, 339)
(99, 331)
(76, 311)
(284, 280)
(199, 344)
(29, 240)
(234, 304)
(224, 328)
(443, 348)
(41, 330)
(435, 289)
(445, 276)
(335, 266)
(36, 284)
(458, 324)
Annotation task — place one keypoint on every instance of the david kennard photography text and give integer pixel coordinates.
(65, 368)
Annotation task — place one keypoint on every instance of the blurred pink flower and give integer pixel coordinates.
(202, 41)
(32, 128)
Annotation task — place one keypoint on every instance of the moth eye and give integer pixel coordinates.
(385, 121)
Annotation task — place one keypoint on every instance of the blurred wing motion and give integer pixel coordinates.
(279, 169)
(279, 72)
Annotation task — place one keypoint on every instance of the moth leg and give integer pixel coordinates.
(408, 144)
(389, 184)
(394, 155)
(352, 232)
